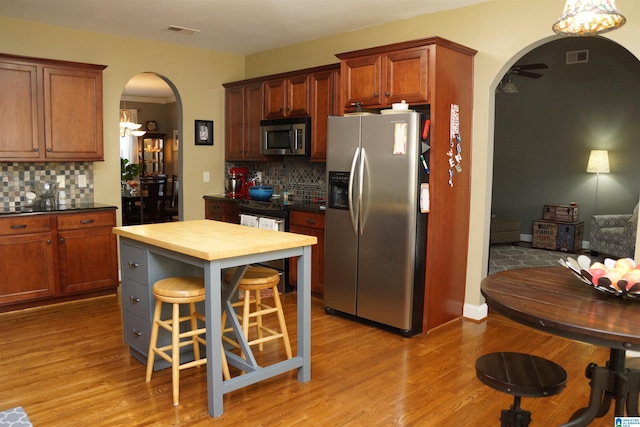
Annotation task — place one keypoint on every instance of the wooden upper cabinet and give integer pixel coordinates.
(234, 123)
(19, 131)
(287, 97)
(243, 112)
(253, 113)
(381, 79)
(406, 76)
(51, 110)
(310, 92)
(361, 81)
(73, 114)
(323, 104)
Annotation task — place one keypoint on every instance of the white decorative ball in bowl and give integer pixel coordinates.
(400, 105)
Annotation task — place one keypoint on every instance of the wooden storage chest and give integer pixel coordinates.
(560, 213)
(565, 237)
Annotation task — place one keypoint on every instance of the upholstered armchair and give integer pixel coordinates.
(614, 235)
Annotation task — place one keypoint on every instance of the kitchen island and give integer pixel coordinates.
(206, 247)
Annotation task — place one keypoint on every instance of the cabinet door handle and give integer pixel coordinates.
(49, 242)
(18, 226)
(311, 221)
(136, 332)
(375, 94)
(134, 299)
(386, 94)
(133, 264)
(86, 221)
(48, 150)
(62, 240)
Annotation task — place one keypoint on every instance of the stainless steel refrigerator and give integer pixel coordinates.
(375, 232)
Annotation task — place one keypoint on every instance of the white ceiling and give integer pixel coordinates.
(238, 26)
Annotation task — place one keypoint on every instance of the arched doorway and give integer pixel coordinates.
(586, 99)
(154, 103)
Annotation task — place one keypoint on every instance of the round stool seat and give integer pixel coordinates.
(521, 374)
(255, 278)
(179, 289)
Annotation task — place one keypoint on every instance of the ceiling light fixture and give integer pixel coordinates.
(589, 17)
(127, 127)
(182, 30)
(507, 85)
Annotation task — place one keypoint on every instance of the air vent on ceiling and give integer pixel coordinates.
(182, 30)
(578, 56)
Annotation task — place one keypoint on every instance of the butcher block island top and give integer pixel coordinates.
(213, 240)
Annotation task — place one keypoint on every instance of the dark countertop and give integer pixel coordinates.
(301, 205)
(37, 209)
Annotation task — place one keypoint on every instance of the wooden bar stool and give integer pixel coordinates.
(176, 291)
(257, 279)
(521, 375)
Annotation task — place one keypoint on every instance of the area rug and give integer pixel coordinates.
(14, 417)
(507, 257)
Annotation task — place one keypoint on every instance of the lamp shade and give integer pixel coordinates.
(588, 17)
(598, 162)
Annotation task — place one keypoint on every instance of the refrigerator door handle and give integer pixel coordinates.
(363, 161)
(352, 212)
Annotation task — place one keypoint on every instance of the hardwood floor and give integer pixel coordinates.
(67, 365)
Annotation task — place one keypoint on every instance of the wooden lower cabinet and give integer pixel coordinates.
(55, 257)
(219, 209)
(87, 251)
(312, 224)
(27, 259)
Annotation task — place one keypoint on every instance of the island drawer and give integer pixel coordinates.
(136, 333)
(135, 298)
(22, 224)
(133, 263)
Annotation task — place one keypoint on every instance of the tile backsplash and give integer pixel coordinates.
(17, 178)
(298, 176)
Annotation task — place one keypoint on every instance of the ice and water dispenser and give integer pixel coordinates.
(338, 190)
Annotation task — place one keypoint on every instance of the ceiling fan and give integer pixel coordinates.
(523, 70)
(506, 85)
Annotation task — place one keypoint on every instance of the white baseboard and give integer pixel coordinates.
(475, 312)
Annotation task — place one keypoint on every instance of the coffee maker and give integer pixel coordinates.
(236, 183)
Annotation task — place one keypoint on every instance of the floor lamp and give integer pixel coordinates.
(598, 163)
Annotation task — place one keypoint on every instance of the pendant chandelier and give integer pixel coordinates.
(127, 127)
(589, 17)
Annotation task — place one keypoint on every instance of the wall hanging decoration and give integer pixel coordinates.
(204, 132)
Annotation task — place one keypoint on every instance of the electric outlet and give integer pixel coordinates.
(82, 181)
(259, 177)
(61, 181)
(205, 177)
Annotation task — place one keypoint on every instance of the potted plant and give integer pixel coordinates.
(128, 171)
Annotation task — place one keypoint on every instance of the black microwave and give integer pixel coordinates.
(286, 137)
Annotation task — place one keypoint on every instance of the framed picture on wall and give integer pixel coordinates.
(204, 132)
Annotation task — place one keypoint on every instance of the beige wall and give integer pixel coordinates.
(501, 31)
(197, 74)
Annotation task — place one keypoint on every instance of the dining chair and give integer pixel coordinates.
(171, 200)
(151, 208)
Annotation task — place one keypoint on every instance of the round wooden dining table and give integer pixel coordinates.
(553, 300)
